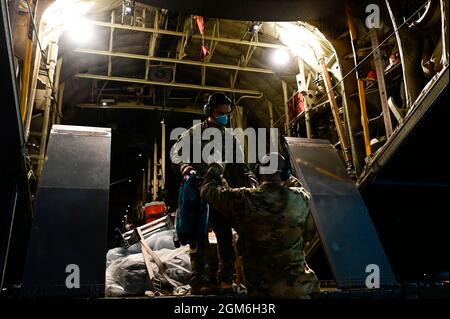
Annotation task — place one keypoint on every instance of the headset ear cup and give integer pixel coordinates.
(285, 174)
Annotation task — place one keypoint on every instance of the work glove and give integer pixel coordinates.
(187, 171)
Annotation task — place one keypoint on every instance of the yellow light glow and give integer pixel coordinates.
(80, 32)
(67, 15)
(280, 57)
(302, 42)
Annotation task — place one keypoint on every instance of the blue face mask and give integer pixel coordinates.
(222, 120)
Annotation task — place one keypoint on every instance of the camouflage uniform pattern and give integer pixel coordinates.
(273, 222)
(293, 181)
(237, 174)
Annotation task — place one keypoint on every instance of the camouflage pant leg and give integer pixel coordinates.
(222, 228)
(265, 280)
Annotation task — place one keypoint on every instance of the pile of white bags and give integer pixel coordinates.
(126, 272)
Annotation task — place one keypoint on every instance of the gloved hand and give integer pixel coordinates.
(252, 182)
(187, 171)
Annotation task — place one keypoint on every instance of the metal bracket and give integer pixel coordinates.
(123, 242)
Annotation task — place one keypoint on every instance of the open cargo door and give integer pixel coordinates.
(348, 236)
(66, 253)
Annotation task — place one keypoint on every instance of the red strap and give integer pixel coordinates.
(200, 24)
(204, 52)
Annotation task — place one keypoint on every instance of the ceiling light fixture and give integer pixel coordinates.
(80, 32)
(255, 26)
(105, 102)
(128, 7)
(280, 57)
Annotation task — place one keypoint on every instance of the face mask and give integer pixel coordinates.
(222, 120)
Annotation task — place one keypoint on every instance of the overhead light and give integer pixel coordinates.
(140, 155)
(280, 57)
(255, 26)
(128, 8)
(129, 181)
(80, 32)
(303, 40)
(66, 14)
(105, 102)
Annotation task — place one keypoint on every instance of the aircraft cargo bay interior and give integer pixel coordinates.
(262, 149)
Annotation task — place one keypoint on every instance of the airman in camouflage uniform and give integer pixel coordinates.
(273, 222)
(236, 173)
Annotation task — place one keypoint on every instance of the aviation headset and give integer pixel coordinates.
(214, 100)
(282, 167)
